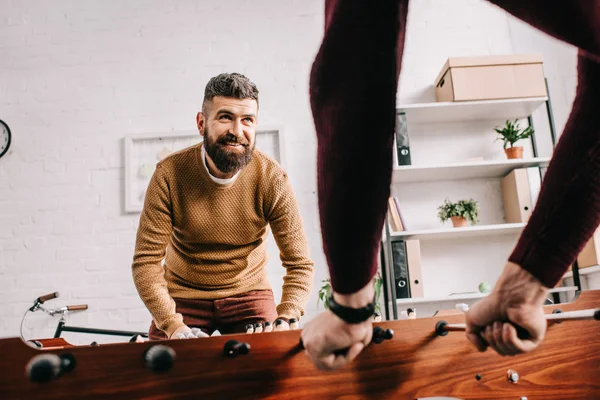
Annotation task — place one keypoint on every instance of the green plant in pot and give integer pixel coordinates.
(325, 292)
(510, 134)
(459, 212)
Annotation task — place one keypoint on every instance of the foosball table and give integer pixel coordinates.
(410, 359)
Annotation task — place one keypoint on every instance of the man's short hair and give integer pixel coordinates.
(232, 85)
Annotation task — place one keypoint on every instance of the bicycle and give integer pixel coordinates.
(62, 323)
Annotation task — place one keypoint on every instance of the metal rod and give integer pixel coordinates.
(59, 329)
(574, 315)
(102, 331)
(455, 327)
(391, 275)
(558, 317)
(533, 141)
(550, 116)
(386, 286)
(534, 147)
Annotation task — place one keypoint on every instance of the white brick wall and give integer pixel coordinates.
(77, 76)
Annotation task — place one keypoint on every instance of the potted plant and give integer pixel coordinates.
(510, 134)
(459, 212)
(325, 292)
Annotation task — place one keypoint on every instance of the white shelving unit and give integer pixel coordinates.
(471, 110)
(463, 232)
(458, 171)
(584, 271)
(466, 297)
(432, 117)
(430, 306)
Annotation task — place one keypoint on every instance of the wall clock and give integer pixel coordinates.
(5, 137)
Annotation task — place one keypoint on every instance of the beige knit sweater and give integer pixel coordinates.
(214, 236)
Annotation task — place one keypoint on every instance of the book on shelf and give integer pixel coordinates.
(396, 219)
(402, 142)
(406, 261)
(397, 204)
(400, 263)
(396, 222)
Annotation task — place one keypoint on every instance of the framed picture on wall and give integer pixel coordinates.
(143, 152)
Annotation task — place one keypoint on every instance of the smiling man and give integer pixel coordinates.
(206, 214)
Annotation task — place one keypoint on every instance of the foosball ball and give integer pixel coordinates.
(410, 359)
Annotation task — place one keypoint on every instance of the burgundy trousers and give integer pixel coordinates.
(228, 315)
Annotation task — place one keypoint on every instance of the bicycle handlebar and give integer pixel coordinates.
(47, 297)
(79, 307)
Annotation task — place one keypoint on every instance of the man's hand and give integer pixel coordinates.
(330, 342)
(517, 300)
(185, 332)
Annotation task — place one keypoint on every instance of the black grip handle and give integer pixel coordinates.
(233, 348)
(43, 368)
(159, 358)
(442, 328)
(47, 297)
(521, 332)
(379, 335)
(47, 367)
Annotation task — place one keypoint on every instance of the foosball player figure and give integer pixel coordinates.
(268, 326)
(294, 323)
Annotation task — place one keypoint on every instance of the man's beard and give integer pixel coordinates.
(227, 161)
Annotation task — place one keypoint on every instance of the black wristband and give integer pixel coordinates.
(351, 315)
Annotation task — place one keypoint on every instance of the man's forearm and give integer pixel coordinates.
(517, 286)
(152, 288)
(288, 231)
(573, 21)
(150, 248)
(568, 208)
(353, 95)
(297, 285)
(359, 299)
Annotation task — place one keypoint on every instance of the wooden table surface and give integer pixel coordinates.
(416, 363)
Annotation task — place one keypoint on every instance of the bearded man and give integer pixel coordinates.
(200, 255)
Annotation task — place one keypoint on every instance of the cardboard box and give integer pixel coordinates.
(590, 255)
(490, 78)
